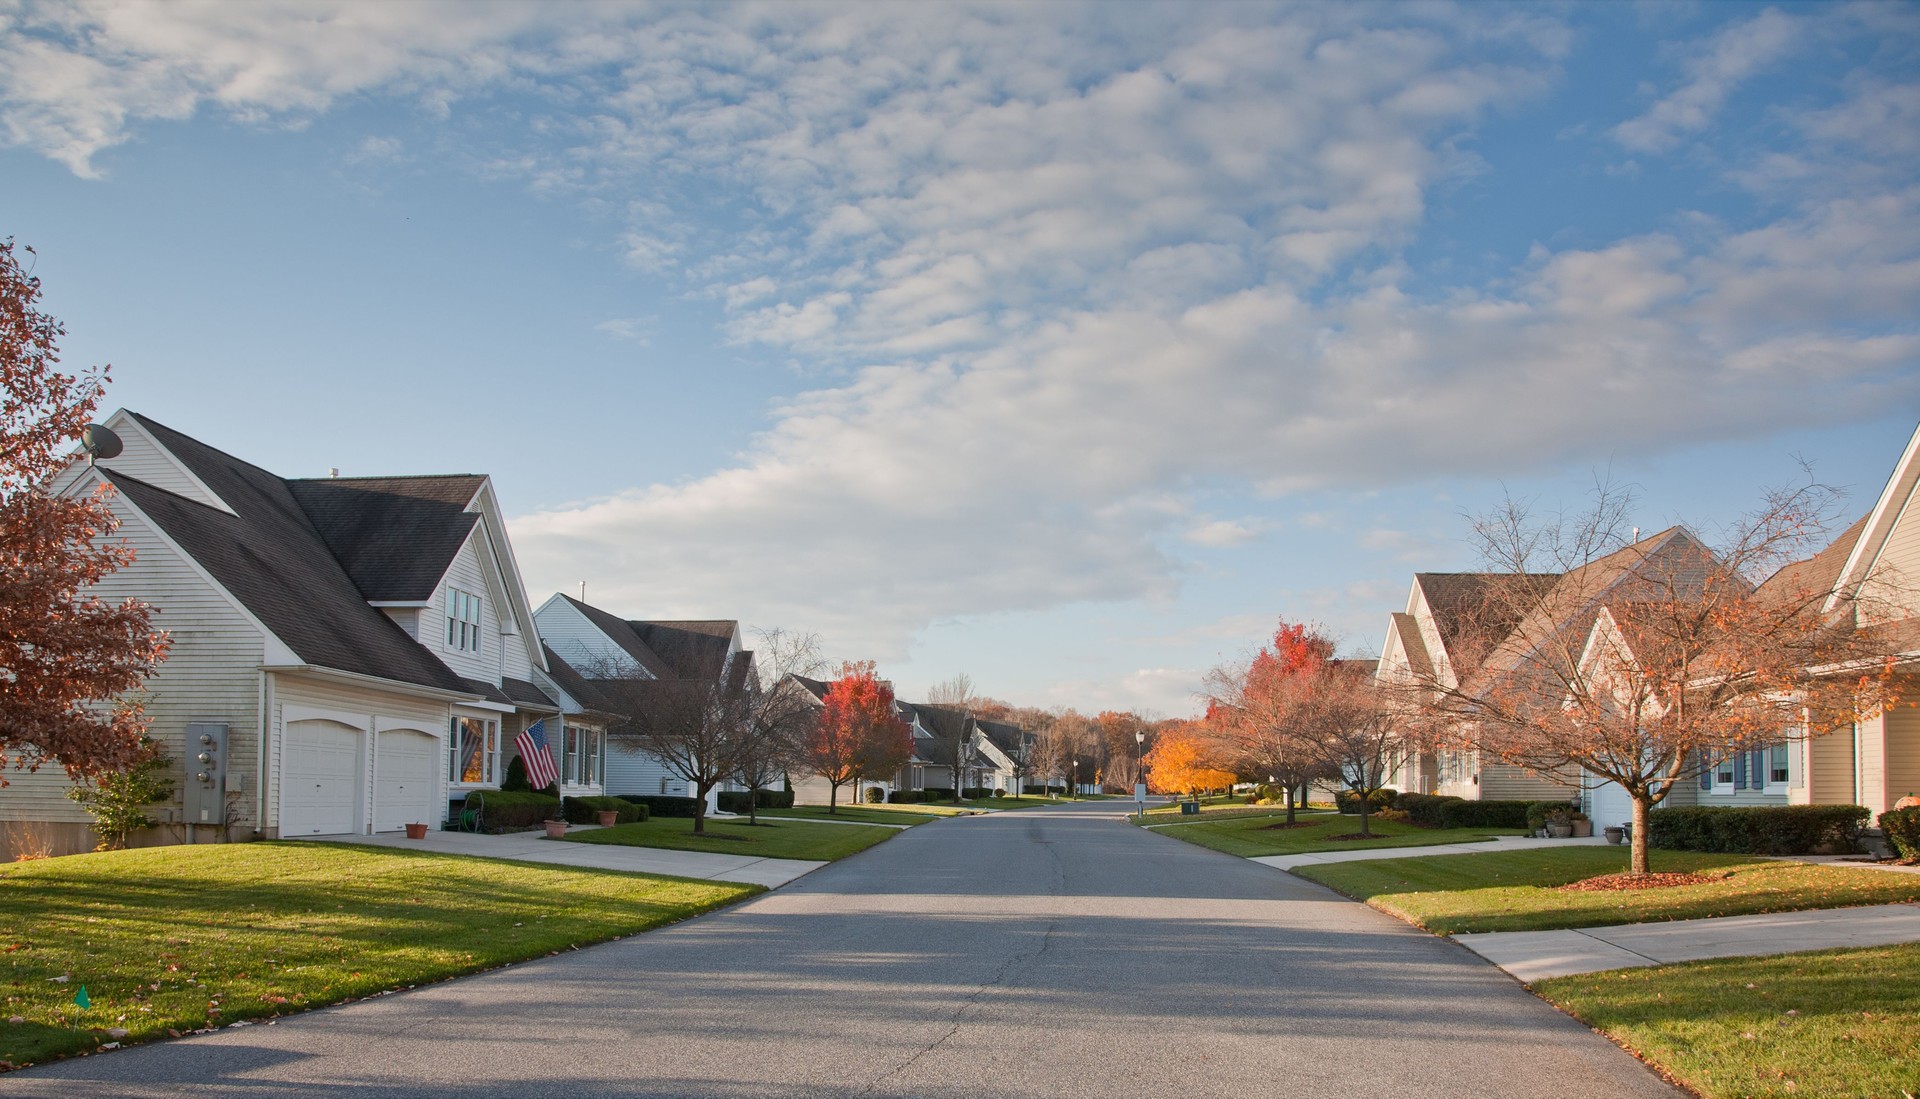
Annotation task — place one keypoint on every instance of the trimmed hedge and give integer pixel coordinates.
(1902, 827)
(905, 797)
(1349, 804)
(1423, 810)
(587, 810)
(937, 793)
(510, 809)
(1489, 813)
(1043, 790)
(1757, 829)
(663, 805)
(874, 795)
(735, 801)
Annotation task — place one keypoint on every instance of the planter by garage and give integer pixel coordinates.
(1560, 831)
(1582, 828)
(1614, 833)
(608, 817)
(556, 829)
(416, 831)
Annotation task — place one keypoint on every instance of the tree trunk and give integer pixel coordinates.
(1366, 803)
(1289, 796)
(700, 810)
(833, 797)
(753, 805)
(1640, 863)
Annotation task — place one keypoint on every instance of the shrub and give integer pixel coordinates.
(507, 810)
(1423, 810)
(973, 793)
(1539, 814)
(664, 805)
(1349, 803)
(1757, 829)
(1902, 827)
(1397, 816)
(1494, 813)
(999, 793)
(118, 800)
(736, 801)
(587, 810)
(873, 795)
(937, 793)
(905, 797)
(1043, 790)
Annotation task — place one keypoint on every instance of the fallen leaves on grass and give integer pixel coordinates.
(1611, 883)
(1295, 824)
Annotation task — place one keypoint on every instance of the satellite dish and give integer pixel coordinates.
(99, 441)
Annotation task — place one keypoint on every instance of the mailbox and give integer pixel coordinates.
(205, 794)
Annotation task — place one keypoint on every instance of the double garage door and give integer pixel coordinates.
(324, 783)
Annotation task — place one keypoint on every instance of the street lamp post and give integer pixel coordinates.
(1140, 773)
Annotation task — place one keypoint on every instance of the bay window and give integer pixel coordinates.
(475, 756)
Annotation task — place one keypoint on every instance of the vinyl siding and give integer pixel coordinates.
(1900, 555)
(1505, 782)
(1903, 753)
(467, 574)
(1831, 763)
(578, 641)
(142, 458)
(211, 674)
(631, 771)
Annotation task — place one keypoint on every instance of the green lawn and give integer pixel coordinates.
(181, 938)
(1516, 890)
(770, 839)
(1256, 835)
(1835, 1022)
(868, 814)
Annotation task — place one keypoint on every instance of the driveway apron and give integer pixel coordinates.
(1055, 952)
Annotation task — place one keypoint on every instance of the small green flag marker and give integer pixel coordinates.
(80, 998)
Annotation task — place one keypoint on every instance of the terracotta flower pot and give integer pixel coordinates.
(416, 831)
(608, 817)
(556, 829)
(1582, 829)
(1560, 831)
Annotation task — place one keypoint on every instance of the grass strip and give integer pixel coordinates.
(1832, 1022)
(770, 839)
(168, 940)
(1248, 836)
(1517, 890)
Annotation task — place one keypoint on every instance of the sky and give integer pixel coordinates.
(1069, 346)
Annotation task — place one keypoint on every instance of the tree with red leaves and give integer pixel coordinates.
(1262, 709)
(858, 735)
(68, 659)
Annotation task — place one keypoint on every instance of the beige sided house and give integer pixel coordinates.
(352, 654)
(1423, 643)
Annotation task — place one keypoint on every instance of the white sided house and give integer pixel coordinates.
(594, 644)
(351, 654)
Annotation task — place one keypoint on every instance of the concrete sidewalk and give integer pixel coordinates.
(1536, 955)
(536, 847)
(1496, 843)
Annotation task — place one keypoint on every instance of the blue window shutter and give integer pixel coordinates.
(1760, 770)
(1706, 777)
(1740, 771)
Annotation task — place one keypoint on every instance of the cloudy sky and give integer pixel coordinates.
(1064, 345)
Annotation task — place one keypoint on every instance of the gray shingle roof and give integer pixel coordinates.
(395, 536)
(271, 558)
(694, 650)
(621, 632)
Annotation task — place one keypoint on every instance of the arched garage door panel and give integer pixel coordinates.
(319, 779)
(407, 786)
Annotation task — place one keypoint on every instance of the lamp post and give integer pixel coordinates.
(1140, 773)
(1073, 791)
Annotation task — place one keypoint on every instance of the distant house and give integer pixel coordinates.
(597, 645)
(1439, 639)
(351, 653)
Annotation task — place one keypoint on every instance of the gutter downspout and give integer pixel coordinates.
(266, 729)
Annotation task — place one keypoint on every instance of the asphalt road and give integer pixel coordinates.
(1056, 952)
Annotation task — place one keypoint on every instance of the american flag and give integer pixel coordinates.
(535, 756)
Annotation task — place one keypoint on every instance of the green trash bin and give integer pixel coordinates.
(1189, 808)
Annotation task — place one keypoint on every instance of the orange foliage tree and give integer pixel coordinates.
(858, 735)
(1186, 760)
(64, 653)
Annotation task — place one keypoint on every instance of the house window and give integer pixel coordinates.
(476, 750)
(1723, 776)
(463, 621)
(589, 756)
(1777, 765)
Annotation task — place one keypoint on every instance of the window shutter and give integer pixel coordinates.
(1740, 771)
(1762, 769)
(1706, 777)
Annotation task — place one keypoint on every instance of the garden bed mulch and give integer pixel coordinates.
(1613, 883)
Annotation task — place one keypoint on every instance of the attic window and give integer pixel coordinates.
(463, 620)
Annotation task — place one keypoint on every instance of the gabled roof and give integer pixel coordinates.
(1009, 738)
(267, 556)
(1477, 602)
(578, 687)
(1821, 572)
(395, 536)
(1892, 505)
(1407, 629)
(694, 650)
(621, 632)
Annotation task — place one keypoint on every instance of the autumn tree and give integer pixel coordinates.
(857, 734)
(1263, 705)
(1186, 760)
(68, 659)
(1647, 661)
(701, 729)
(1121, 734)
(1351, 728)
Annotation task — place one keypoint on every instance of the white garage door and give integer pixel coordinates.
(407, 781)
(1611, 805)
(319, 779)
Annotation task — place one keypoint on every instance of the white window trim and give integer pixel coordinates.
(1723, 787)
(491, 767)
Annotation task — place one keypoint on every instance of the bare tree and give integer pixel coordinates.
(700, 729)
(1646, 661)
(1350, 725)
(956, 691)
(783, 711)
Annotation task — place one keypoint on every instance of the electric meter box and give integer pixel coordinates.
(205, 793)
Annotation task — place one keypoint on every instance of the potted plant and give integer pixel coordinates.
(1582, 826)
(1614, 833)
(1559, 824)
(608, 817)
(417, 831)
(556, 829)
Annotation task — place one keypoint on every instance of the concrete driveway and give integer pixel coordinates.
(1055, 953)
(536, 847)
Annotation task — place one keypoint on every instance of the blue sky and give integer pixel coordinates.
(1064, 345)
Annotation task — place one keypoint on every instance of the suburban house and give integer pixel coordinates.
(349, 655)
(1873, 572)
(1439, 638)
(598, 647)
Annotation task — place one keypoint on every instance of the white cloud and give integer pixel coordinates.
(1734, 55)
(631, 329)
(1223, 533)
